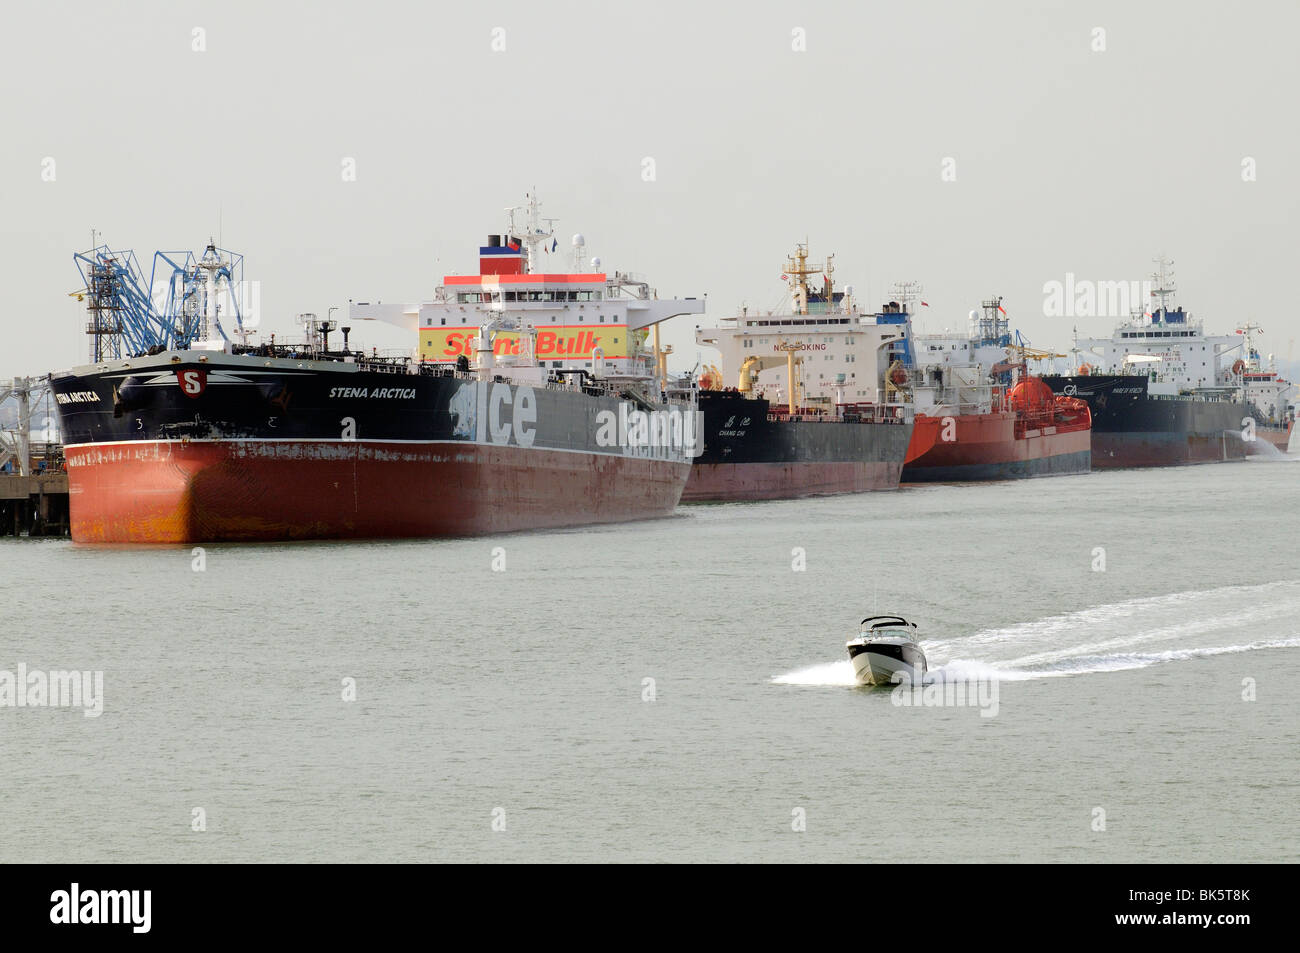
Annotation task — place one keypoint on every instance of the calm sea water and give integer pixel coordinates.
(520, 696)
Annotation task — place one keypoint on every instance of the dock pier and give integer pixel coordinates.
(34, 505)
(33, 475)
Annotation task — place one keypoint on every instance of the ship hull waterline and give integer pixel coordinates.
(245, 491)
(1133, 428)
(179, 447)
(751, 454)
(738, 482)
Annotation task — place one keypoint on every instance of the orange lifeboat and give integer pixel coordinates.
(1085, 370)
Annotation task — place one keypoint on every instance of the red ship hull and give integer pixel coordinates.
(992, 447)
(257, 490)
(1279, 437)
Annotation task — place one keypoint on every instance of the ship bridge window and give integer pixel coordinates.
(443, 321)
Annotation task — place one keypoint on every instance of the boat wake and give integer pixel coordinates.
(1135, 634)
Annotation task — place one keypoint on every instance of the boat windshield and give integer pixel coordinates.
(890, 625)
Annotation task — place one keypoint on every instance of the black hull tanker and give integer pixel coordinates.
(529, 402)
(1132, 427)
(187, 448)
(1164, 392)
(751, 453)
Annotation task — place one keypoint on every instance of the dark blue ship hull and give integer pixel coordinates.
(1133, 428)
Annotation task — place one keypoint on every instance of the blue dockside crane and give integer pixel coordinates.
(181, 303)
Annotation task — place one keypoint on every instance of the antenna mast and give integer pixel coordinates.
(1164, 280)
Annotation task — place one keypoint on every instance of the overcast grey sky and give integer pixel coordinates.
(1067, 158)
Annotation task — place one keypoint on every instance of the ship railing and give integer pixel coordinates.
(591, 385)
(1204, 398)
(848, 414)
(388, 362)
(1026, 423)
(385, 365)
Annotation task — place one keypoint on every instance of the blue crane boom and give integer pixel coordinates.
(180, 304)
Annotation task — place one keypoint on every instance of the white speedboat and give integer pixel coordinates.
(886, 652)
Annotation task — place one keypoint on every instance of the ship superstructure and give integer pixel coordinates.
(1169, 347)
(1163, 391)
(526, 309)
(1272, 395)
(821, 345)
(984, 344)
(803, 404)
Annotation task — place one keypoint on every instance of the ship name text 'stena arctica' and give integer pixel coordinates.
(532, 399)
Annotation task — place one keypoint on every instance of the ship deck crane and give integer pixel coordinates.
(1026, 353)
